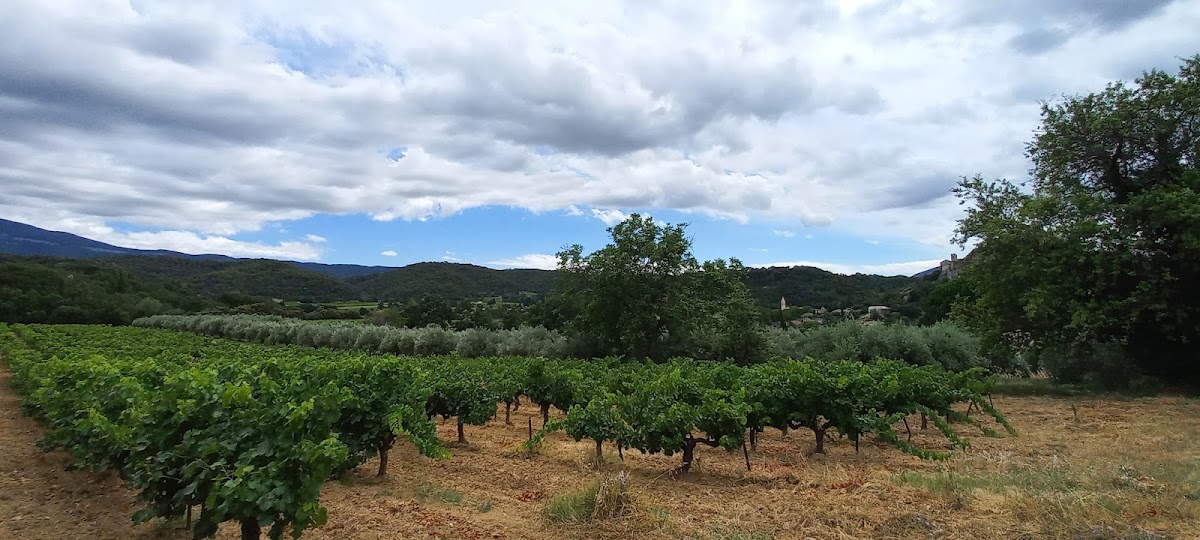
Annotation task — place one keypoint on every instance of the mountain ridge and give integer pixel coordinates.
(215, 275)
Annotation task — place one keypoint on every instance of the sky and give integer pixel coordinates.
(382, 132)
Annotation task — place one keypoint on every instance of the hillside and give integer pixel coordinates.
(808, 286)
(41, 289)
(453, 281)
(214, 275)
(254, 277)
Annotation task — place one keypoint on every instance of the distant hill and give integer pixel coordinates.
(21, 239)
(43, 289)
(214, 275)
(808, 286)
(254, 277)
(453, 281)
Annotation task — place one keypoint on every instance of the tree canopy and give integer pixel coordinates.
(1093, 264)
(644, 295)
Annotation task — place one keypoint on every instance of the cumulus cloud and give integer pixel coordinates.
(887, 269)
(609, 217)
(316, 238)
(389, 253)
(213, 120)
(783, 233)
(540, 261)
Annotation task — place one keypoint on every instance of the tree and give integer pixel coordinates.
(1094, 264)
(645, 295)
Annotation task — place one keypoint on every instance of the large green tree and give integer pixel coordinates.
(644, 295)
(1094, 263)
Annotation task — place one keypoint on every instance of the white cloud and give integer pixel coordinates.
(808, 237)
(316, 238)
(887, 269)
(783, 233)
(872, 242)
(533, 260)
(221, 118)
(450, 256)
(609, 217)
(389, 253)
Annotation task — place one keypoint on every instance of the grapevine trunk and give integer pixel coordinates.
(250, 529)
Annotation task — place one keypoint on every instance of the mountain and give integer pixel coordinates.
(215, 275)
(43, 289)
(813, 287)
(263, 278)
(453, 281)
(21, 239)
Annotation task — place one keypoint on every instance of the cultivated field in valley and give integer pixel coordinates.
(1079, 467)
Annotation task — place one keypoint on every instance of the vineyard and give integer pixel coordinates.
(249, 433)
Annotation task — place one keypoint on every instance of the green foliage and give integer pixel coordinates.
(36, 290)
(944, 344)
(249, 434)
(813, 287)
(1093, 269)
(241, 281)
(664, 408)
(427, 341)
(644, 295)
(450, 281)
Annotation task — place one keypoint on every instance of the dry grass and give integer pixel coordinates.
(1103, 470)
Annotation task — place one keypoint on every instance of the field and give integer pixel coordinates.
(1083, 467)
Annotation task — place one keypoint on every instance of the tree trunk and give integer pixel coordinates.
(754, 439)
(545, 414)
(924, 421)
(784, 429)
(250, 529)
(508, 413)
(384, 446)
(599, 452)
(746, 454)
(856, 436)
(620, 453)
(689, 453)
(462, 438)
(820, 448)
(908, 429)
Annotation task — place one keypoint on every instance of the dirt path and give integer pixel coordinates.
(39, 499)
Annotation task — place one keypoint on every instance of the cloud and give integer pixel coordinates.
(808, 237)
(389, 253)
(540, 261)
(783, 233)
(450, 256)
(316, 238)
(872, 242)
(609, 217)
(219, 120)
(888, 269)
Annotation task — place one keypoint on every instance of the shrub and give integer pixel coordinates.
(607, 498)
(433, 340)
(476, 342)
